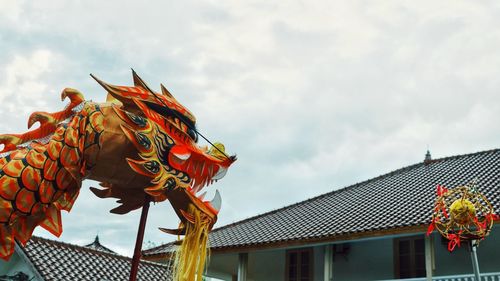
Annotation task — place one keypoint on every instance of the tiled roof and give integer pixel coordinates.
(397, 201)
(58, 261)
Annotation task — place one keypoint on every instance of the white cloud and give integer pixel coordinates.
(23, 89)
(25, 70)
(11, 12)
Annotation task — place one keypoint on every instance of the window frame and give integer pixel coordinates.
(412, 253)
(299, 252)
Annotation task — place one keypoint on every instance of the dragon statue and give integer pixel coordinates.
(140, 145)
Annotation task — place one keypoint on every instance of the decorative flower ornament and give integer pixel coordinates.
(462, 214)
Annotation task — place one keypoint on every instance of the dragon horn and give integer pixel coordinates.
(138, 82)
(114, 93)
(112, 89)
(165, 92)
(179, 231)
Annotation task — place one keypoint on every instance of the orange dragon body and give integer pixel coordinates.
(140, 145)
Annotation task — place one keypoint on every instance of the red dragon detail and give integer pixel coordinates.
(140, 145)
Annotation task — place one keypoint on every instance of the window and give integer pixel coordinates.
(299, 265)
(409, 257)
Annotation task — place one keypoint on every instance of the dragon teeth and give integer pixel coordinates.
(211, 170)
(195, 189)
(220, 173)
(197, 186)
(193, 186)
(184, 156)
(216, 203)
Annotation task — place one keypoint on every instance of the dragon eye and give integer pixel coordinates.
(193, 134)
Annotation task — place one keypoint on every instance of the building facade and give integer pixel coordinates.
(372, 230)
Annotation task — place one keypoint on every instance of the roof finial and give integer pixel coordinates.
(428, 158)
(96, 245)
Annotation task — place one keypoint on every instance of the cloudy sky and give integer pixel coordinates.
(311, 95)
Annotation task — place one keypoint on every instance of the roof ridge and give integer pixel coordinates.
(147, 251)
(406, 168)
(86, 249)
(409, 167)
(154, 248)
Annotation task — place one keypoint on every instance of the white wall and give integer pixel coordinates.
(266, 265)
(489, 252)
(262, 266)
(367, 260)
(459, 261)
(223, 266)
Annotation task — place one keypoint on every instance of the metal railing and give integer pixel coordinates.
(492, 276)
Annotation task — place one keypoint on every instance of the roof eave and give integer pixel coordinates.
(348, 237)
(281, 244)
(372, 234)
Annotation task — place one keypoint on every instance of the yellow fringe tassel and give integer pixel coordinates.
(191, 256)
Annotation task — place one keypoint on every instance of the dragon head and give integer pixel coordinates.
(165, 136)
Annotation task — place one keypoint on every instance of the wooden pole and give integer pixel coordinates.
(138, 242)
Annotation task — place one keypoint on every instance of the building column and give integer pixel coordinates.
(328, 263)
(242, 266)
(429, 257)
